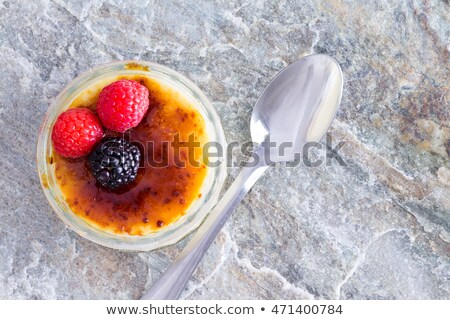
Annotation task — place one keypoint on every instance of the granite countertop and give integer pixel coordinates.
(377, 228)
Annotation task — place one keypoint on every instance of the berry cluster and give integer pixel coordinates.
(78, 132)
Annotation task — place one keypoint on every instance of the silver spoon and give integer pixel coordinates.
(296, 107)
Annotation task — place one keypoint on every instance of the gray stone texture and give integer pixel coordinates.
(378, 228)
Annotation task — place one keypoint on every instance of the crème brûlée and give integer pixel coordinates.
(169, 180)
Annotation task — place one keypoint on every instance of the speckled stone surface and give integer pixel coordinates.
(378, 228)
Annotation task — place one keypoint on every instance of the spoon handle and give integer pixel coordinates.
(170, 285)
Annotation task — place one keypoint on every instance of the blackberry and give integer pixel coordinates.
(114, 162)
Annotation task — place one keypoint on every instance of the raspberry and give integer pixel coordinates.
(75, 132)
(122, 105)
(114, 162)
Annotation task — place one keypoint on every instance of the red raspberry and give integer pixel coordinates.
(122, 105)
(76, 132)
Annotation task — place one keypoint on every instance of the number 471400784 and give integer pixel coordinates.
(307, 309)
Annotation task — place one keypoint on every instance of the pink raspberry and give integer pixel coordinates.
(76, 132)
(122, 105)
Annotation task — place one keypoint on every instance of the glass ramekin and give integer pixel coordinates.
(197, 211)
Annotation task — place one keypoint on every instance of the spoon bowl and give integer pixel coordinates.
(297, 106)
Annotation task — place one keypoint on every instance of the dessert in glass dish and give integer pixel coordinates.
(121, 155)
